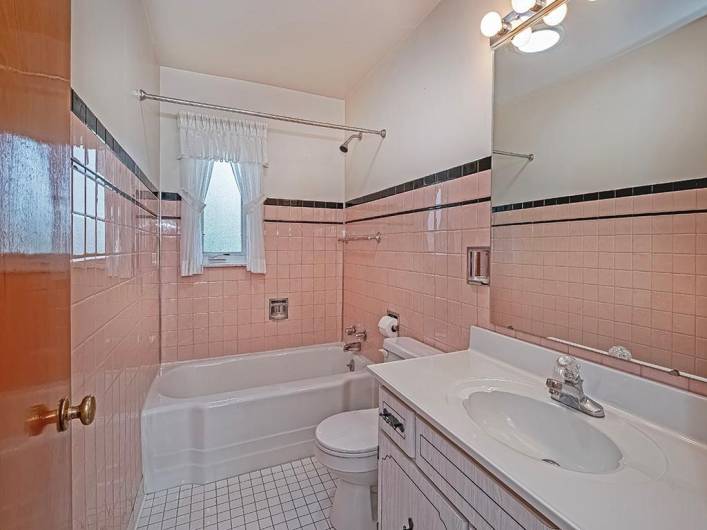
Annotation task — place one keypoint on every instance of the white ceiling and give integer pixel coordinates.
(319, 46)
(594, 32)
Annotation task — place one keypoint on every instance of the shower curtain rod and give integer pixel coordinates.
(529, 156)
(187, 102)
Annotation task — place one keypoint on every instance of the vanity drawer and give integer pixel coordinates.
(397, 420)
(407, 499)
(471, 488)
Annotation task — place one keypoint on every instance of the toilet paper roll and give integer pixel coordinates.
(388, 326)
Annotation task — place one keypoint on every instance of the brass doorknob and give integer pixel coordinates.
(40, 416)
(85, 411)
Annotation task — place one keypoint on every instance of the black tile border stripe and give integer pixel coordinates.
(77, 165)
(297, 203)
(304, 222)
(600, 217)
(418, 210)
(477, 166)
(88, 118)
(170, 196)
(648, 189)
(177, 217)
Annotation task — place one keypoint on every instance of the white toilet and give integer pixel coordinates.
(347, 444)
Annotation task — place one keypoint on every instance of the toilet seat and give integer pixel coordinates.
(349, 434)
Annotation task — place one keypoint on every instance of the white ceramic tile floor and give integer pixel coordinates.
(296, 495)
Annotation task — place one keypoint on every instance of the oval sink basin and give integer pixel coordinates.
(543, 431)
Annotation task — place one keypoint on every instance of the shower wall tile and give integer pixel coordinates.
(225, 310)
(115, 328)
(304, 214)
(418, 270)
(468, 188)
(574, 272)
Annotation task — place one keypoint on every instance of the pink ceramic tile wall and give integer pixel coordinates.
(225, 310)
(114, 338)
(639, 281)
(418, 269)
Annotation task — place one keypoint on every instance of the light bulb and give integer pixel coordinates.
(491, 24)
(522, 6)
(556, 16)
(522, 38)
(540, 41)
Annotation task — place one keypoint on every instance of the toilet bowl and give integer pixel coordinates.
(347, 444)
(353, 460)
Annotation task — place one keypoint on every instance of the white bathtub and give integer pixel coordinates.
(208, 420)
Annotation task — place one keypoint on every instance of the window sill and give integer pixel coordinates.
(208, 265)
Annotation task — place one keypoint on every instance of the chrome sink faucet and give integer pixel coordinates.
(566, 387)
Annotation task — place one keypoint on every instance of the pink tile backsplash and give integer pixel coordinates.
(418, 269)
(225, 310)
(639, 281)
(114, 341)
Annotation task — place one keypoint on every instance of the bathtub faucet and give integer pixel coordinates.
(353, 346)
(360, 334)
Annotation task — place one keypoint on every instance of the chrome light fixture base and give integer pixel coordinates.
(535, 15)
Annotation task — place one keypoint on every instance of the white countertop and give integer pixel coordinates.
(661, 483)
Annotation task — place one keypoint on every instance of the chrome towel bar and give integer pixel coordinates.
(377, 237)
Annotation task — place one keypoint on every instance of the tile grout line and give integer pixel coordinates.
(270, 498)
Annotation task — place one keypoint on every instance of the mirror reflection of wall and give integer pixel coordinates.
(601, 239)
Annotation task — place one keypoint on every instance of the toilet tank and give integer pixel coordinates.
(399, 348)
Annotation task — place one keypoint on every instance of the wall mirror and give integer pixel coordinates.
(599, 189)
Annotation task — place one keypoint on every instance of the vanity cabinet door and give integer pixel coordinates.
(470, 488)
(407, 500)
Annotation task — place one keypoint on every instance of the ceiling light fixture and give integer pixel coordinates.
(556, 16)
(540, 40)
(523, 6)
(523, 37)
(517, 25)
(491, 24)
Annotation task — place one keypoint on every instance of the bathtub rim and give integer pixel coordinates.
(155, 401)
(164, 368)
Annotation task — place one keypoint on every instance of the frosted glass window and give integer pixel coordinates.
(79, 230)
(223, 217)
(79, 192)
(90, 196)
(100, 237)
(90, 235)
(100, 201)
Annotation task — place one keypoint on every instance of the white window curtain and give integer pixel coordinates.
(196, 175)
(249, 180)
(203, 140)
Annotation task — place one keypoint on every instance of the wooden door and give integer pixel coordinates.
(35, 471)
(407, 500)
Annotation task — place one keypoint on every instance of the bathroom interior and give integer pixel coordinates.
(400, 265)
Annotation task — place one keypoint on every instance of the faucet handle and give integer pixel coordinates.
(553, 385)
(567, 369)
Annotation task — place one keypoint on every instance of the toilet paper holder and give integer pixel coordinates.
(396, 316)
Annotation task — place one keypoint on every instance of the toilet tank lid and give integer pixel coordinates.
(408, 348)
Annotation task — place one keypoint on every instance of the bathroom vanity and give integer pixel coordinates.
(472, 440)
